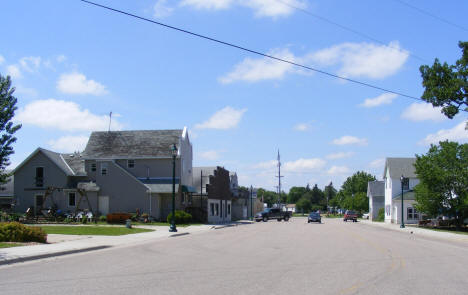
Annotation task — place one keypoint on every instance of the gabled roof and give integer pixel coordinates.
(132, 144)
(399, 167)
(56, 158)
(376, 188)
(197, 173)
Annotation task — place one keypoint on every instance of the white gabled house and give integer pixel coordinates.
(395, 168)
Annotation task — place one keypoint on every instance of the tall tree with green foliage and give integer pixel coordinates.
(330, 192)
(447, 85)
(7, 128)
(317, 196)
(295, 193)
(443, 175)
(355, 185)
(303, 205)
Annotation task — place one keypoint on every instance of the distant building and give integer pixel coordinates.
(376, 195)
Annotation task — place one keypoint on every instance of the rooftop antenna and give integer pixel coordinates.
(110, 120)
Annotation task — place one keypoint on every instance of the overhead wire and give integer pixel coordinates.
(253, 51)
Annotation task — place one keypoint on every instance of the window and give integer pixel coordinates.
(39, 201)
(216, 209)
(130, 164)
(412, 213)
(211, 209)
(387, 210)
(39, 176)
(405, 183)
(103, 168)
(71, 200)
(93, 167)
(229, 209)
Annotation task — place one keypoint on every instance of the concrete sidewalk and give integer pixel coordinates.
(70, 244)
(415, 230)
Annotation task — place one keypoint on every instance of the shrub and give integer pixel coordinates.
(117, 217)
(381, 215)
(181, 217)
(17, 232)
(84, 219)
(102, 218)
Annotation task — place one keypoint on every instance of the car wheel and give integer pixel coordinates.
(286, 218)
(265, 219)
(257, 220)
(308, 221)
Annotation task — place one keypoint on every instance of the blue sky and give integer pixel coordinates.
(73, 63)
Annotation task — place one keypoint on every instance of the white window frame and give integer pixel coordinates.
(132, 165)
(104, 169)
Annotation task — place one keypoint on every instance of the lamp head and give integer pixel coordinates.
(174, 150)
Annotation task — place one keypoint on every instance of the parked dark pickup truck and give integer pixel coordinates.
(273, 213)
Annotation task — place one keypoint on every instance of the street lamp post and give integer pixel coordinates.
(402, 212)
(173, 227)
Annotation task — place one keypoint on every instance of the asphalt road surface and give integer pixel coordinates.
(262, 258)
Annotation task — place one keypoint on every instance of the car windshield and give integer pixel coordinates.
(313, 214)
(266, 210)
(350, 212)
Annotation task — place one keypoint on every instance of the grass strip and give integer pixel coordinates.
(9, 245)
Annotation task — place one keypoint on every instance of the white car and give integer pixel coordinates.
(365, 216)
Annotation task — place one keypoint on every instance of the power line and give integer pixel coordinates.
(346, 28)
(255, 52)
(431, 15)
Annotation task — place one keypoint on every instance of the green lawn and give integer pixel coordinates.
(93, 230)
(9, 245)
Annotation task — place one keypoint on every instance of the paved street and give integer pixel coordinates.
(262, 258)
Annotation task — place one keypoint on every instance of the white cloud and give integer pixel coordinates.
(423, 112)
(61, 58)
(377, 163)
(161, 9)
(208, 4)
(69, 144)
(210, 155)
(14, 71)
(457, 133)
(338, 170)
(273, 8)
(253, 70)
(304, 165)
(76, 83)
(63, 115)
(385, 98)
(363, 59)
(30, 63)
(340, 155)
(347, 139)
(2, 59)
(262, 8)
(225, 118)
(266, 165)
(302, 127)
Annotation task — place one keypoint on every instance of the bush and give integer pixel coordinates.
(381, 215)
(102, 218)
(117, 217)
(84, 219)
(17, 232)
(181, 217)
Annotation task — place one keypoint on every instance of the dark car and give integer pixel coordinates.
(314, 217)
(272, 213)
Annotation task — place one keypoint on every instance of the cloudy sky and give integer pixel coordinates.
(73, 63)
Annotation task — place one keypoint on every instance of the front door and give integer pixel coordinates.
(38, 203)
(104, 205)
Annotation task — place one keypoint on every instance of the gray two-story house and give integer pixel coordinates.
(119, 171)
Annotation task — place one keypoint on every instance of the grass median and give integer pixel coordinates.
(90, 230)
(9, 245)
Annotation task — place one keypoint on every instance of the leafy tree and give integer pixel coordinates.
(447, 85)
(317, 195)
(295, 193)
(303, 205)
(7, 128)
(269, 197)
(357, 183)
(330, 192)
(443, 175)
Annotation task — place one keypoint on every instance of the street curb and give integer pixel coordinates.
(62, 253)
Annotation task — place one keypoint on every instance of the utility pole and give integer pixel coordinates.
(279, 179)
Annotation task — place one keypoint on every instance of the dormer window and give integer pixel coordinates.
(130, 164)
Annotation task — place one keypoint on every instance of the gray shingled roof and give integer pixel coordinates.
(131, 144)
(400, 166)
(207, 171)
(76, 163)
(58, 160)
(376, 188)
